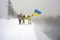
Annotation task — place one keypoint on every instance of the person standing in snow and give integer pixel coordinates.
(23, 19)
(29, 18)
(19, 18)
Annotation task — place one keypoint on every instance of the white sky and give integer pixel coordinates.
(48, 7)
(24, 6)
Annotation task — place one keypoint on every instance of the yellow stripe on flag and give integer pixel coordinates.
(36, 14)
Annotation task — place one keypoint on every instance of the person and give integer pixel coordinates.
(23, 19)
(29, 18)
(19, 18)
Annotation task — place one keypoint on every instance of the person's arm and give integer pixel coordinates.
(32, 15)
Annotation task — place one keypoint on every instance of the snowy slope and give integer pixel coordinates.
(11, 30)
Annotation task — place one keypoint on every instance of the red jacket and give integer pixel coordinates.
(19, 17)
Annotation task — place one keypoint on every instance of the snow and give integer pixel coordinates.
(11, 30)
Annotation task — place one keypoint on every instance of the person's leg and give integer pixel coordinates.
(19, 21)
(23, 21)
(29, 21)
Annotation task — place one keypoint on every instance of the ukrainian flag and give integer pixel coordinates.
(36, 13)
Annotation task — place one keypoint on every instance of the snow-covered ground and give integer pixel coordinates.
(11, 30)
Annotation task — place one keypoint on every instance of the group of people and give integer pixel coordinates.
(22, 18)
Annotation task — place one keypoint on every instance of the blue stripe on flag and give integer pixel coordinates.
(37, 11)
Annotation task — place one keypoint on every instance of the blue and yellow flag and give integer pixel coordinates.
(36, 13)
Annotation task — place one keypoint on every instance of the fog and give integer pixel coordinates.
(48, 22)
(49, 25)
